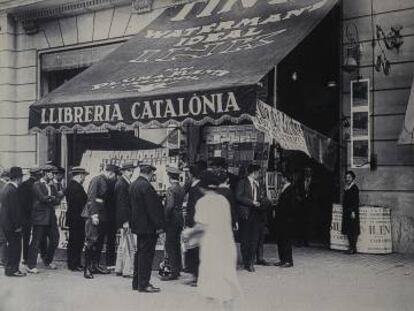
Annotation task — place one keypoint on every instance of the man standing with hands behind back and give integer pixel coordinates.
(147, 221)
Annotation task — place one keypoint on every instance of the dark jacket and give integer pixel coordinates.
(284, 212)
(350, 204)
(97, 196)
(174, 204)
(11, 217)
(147, 212)
(194, 194)
(122, 202)
(43, 205)
(244, 198)
(76, 198)
(26, 196)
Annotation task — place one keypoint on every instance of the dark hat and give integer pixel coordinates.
(77, 170)
(208, 179)
(35, 171)
(112, 168)
(253, 168)
(146, 165)
(49, 168)
(173, 172)
(128, 165)
(218, 162)
(15, 172)
(59, 170)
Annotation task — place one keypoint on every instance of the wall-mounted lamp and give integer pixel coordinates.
(353, 49)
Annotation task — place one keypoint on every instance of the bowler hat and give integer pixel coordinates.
(112, 168)
(15, 172)
(77, 170)
(48, 168)
(35, 171)
(173, 172)
(146, 165)
(128, 165)
(59, 170)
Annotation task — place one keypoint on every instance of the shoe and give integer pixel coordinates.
(51, 266)
(351, 252)
(154, 288)
(250, 268)
(148, 289)
(278, 264)
(16, 274)
(287, 265)
(171, 277)
(87, 274)
(32, 270)
(119, 274)
(262, 262)
(100, 270)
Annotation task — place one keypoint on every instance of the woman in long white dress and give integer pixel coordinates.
(217, 279)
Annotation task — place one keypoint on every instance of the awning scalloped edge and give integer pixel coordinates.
(138, 124)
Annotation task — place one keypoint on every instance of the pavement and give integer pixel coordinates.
(321, 280)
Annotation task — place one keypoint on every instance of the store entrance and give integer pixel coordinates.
(308, 91)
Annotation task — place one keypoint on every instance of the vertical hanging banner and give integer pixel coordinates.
(196, 62)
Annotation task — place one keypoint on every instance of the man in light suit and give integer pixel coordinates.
(248, 197)
(147, 221)
(11, 219)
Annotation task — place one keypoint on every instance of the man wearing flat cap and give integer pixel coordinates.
(96, 220)
(76, 198)
(44, 221)
(125, 255)
(26, 196)
(174, 223)
(147, 221)
(12, 222)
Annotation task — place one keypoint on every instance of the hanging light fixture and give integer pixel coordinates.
(353, 49)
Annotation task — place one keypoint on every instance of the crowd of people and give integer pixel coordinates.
(204, 214)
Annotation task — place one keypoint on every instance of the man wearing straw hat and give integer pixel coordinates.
(76, 198)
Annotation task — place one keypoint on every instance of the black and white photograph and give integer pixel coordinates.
(360, 93)
(360, 122)
(212, 155)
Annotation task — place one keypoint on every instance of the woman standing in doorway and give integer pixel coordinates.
(350, 215)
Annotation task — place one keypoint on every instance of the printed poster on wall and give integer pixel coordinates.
(360, 124)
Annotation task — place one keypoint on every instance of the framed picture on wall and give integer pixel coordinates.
(360, 124)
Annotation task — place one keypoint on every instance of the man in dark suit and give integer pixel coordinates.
(26, 196)
(192, 260)
(248, 197)
(76, 198)
(284, 221)
(147, 221)
(44, 221)
(3, 242)
(174, 223)
(96, 216)
(12, 222)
